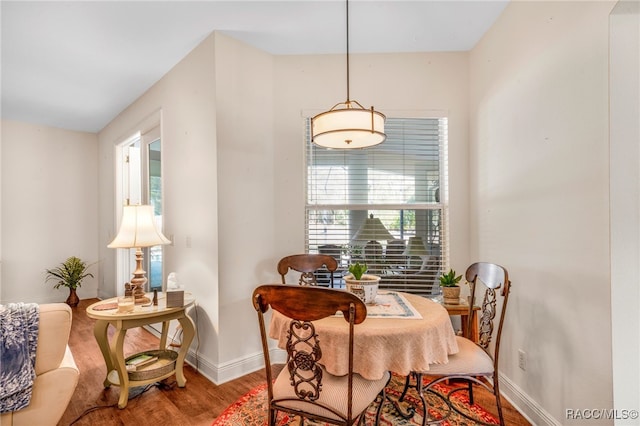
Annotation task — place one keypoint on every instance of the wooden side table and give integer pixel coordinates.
(462, 309)
(112, 350)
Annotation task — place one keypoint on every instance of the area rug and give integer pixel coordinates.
(250, 410)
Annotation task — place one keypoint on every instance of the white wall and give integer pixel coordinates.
(49, 209)
(625, 205)
(398, 85)
(540, 198)
(246, 202)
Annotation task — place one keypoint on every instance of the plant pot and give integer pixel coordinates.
(73, 298)
(451, 295)
(365, 288)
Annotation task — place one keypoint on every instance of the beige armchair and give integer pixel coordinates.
(56, 371)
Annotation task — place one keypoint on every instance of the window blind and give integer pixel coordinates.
(400, 184)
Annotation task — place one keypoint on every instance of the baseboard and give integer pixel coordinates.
(231, 370)
(529, 408)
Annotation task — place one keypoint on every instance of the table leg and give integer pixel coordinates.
(117, 348)
(475, 333)
(100, 333)
(464, 321)
(163, 336)
(188, 332)
(410, 411)
(472, 334)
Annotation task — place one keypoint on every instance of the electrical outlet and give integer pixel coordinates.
(522, 360)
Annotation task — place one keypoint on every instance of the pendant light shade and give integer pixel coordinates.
(348, 125)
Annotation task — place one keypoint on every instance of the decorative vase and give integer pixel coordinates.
(73, 298)
(366, 288)
(451, 295)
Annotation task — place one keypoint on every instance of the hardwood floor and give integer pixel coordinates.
(199, 403)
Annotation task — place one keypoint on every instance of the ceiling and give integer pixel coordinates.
(77, 64)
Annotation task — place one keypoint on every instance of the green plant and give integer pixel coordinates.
(449, 279)
(357, 269)
(69, 273)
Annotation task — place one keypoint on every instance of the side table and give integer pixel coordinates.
(462, 309)
(112, 350)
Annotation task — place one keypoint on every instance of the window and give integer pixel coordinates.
(401, 185)
(141, 180)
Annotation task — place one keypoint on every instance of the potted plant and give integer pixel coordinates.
(365, 286)
(450, 289)
(69, 273)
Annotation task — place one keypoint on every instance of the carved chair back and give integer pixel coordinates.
(491, 283)
(308, 265)
(304, 304)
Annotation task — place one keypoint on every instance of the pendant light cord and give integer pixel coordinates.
(348, 98)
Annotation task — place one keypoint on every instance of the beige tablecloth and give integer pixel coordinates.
(382, 344)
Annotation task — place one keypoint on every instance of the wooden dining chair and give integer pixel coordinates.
(304, 387)
(310, 266)
(474, 362)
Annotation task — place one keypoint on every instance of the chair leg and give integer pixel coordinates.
(272, 417)
(470, 392)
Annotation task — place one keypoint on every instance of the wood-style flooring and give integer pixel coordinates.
(197, 404)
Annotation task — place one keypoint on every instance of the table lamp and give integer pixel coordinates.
(372, 229)
(138, 229)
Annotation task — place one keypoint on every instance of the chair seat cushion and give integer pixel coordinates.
(470, 360)
(333, 394)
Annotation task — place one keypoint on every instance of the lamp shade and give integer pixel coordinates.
(138, 229)
(415, 247)
(348, 127)
(372, 230)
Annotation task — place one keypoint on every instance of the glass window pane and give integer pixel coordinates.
(395, 189)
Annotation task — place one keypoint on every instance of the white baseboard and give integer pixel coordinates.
(529, 408)
(231, 370)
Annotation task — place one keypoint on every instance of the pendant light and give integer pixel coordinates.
(348, 125)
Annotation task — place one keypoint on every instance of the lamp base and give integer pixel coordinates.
(137, 292)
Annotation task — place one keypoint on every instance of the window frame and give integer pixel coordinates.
(442, 196)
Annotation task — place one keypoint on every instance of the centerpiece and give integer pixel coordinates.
(365, 286)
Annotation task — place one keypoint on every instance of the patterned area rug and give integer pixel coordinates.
(250, 410)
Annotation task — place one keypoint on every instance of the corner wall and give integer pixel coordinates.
(540, 198)
(49, 209)
(246, 203)
(625, 205)
(185, 100)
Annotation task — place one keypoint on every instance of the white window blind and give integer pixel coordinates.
(403, 183)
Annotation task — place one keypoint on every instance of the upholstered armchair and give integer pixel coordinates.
(56, 371)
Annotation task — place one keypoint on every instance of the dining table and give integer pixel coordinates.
(402, 333)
